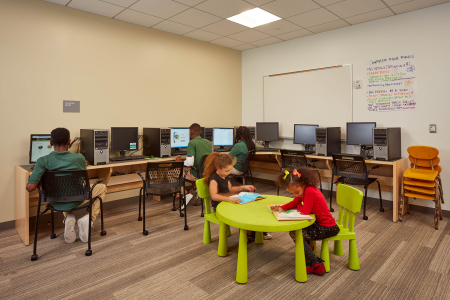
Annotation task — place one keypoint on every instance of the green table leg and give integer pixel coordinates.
(241, 273)
(300, 264)
(259, 239)
(223, 246)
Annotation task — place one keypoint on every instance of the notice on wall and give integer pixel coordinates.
(391, 84)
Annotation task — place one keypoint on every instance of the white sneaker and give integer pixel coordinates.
(69, 229)
(83, 228)
(188, 199)
(267, 236)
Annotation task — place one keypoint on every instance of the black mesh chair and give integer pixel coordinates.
(161, 179)
(199, 171)
(65, 186)
(352, 170)
(296, 159)
(247, 172)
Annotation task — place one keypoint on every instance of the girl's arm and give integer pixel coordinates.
(241, 188)
(291, 205)
(214, 193)
(308, 202)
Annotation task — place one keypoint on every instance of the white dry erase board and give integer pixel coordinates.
(320, 96)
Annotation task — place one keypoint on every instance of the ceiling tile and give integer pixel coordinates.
(395, 2)
(190, 2)
(195, 18)
(173, 27)
(249, 36)
(227, 42)
(244, 47)
(60, 2)
(225, 8)
(258, 2)
(313, 18)
(138, 18)
(370, 16)
(123, 3)
(159, 8)
(295, 34)
(268, 41)
(327, 2)
(96, 7)
(328, 26)
(202, 35)
(416, 4)
(287, 8)
(351, 8)
(225, 27)
(277, 27)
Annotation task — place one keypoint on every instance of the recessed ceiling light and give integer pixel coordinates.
(254, 17)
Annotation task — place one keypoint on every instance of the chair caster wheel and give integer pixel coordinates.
(186, 227)
(140, 219)
(88, 253)
(332, 209)
(382, 209)
(174, 208)
(34, 257)
(202, 215)
(103, 233)
(181, 215)
(53, 236)
(366, 218)
(145, 232)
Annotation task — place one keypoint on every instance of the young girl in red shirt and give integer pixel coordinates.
(303, 182)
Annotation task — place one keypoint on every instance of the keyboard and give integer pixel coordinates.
(222, 150)
(125, 158)
(182, 153)
(268, 150)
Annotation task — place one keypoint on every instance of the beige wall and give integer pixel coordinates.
(123, 74)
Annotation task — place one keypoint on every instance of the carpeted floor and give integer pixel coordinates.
(408, 260)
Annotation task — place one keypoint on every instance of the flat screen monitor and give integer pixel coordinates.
(360, 133)
(124, 139)
(305, 134)
(39, 146)
(267, 131)
(223, 137)
(179, 137)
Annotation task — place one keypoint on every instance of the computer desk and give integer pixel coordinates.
(389, 175)
(24, 200)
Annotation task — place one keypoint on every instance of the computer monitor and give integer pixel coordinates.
(124, 139)
(39, 146)
(223, 137)
(360, 133)
(179, 137)
(305, 134)
(267, 131)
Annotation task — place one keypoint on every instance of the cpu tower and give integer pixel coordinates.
(157, 142)
(94, 145)
(208, 133)
(328, 140)
(387, 143)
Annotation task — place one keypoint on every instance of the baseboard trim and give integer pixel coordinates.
(7, 225)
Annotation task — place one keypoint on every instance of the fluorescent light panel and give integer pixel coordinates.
(254, 17)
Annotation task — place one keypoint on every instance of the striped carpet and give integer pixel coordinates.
(408, 260)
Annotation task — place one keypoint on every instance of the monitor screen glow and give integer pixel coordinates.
(179, 137)
(39, 146)
(223, 136)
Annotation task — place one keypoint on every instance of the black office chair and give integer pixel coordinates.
(162, 178)
(247, 172)
(353, 171)
(296, 159)
(199, 171)
(65, 186)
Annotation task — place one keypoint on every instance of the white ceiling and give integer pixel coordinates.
(205, 20)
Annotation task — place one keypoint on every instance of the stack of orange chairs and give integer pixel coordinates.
(422, 180)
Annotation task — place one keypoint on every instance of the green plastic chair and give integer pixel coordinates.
(203, 193)
(349, 200)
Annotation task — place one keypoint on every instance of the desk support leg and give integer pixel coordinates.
(241, 273)
(223, 246)
(259, 239)
(300, 264)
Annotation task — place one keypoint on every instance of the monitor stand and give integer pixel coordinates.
(122, 153)
(266, 144)
(367, 152)
(222, 149)
(310, 149)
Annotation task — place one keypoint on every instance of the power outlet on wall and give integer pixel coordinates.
(432, 128)
(358, 84)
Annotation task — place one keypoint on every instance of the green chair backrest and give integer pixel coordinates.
(349, 200)
(203, 192)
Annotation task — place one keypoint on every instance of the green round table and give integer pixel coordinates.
(256, 216)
